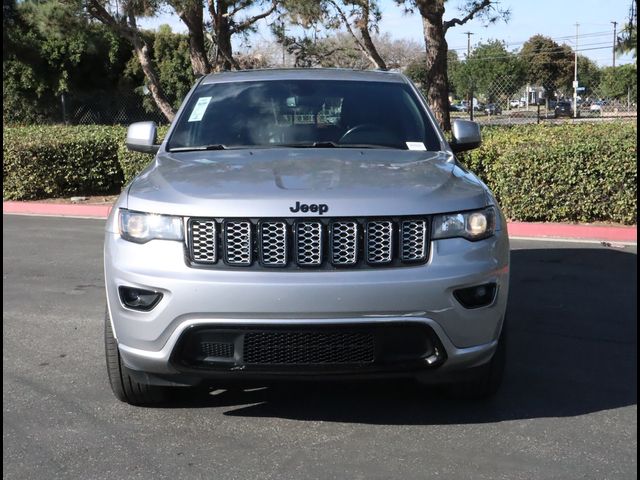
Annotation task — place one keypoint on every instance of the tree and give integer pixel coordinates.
(547, 64)
(490, 70)
(435, 28)
(417, 71)
(126, 26)
(226, 23)
(171, 56)
(50, 50)
(620, 83)
(359, 18)
(191, 14)
(628, 40)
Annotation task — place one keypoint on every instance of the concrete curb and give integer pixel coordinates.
(516, 229)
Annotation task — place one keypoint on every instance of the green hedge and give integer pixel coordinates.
(571, 172)
(133, 163)
(56, 161)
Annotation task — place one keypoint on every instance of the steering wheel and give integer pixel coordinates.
(359, 128)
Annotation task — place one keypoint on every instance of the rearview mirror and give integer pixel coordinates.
(142, 137)
(466, 135)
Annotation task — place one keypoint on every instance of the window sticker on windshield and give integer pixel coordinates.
(416, 146)
(198, 111)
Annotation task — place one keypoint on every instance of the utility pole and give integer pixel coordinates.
(615, 39)
(468, 34)
(575, 77)
(283, 41)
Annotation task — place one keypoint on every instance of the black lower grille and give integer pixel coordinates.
(217, 349)
(308, 348)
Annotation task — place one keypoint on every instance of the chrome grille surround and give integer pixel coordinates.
(309, 247)
(379, 244)
(238, 242)
(413, 235)
(274, 245)
(307, 243)
(344, 242)
(204, 247)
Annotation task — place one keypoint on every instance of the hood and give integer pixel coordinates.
(270, 182)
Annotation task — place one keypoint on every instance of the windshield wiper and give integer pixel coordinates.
(331, 145)
(215, 146)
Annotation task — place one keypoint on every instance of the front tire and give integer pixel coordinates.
(124, 386)
(487, 379)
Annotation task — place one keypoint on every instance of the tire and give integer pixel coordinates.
(124, 386)
(486, 381)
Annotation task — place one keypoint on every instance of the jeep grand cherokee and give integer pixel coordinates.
(304, 224)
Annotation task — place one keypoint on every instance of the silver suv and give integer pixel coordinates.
(304, 224)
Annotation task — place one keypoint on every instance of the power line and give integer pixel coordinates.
(567, 37)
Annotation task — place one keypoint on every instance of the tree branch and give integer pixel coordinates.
(361, 46)
(477, 8)
(241, 27)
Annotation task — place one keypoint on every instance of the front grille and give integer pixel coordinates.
(217, 349)
(310, 348)
(238, 242)
(379, 241)
(314, 243)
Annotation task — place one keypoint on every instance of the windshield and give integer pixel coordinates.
(303, 113)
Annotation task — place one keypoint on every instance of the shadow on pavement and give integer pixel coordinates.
(572, 350)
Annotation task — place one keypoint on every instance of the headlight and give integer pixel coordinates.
(141, 227)
(470, 225)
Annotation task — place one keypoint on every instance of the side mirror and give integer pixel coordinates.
(466, 135)
(142, 137)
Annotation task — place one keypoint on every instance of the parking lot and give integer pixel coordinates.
(567, 410)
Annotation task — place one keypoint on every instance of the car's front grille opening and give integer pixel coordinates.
(217, 349)
(313, 348)
(308, 243)
(307, 347)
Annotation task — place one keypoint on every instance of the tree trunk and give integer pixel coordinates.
(222, 30)
(437, 80)
(144, 56)
(371, 50)
(192, 18)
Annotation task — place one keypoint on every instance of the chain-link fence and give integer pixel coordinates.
(108, 109)
(503, 101)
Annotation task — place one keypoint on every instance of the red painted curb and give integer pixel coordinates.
(581, 232)
(57, 209)
(516, 229)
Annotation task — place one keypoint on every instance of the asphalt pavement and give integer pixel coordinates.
(567, 409)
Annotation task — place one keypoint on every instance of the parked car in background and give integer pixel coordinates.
(563, 109)
(514, 103)
(493, 109)
(596, 107)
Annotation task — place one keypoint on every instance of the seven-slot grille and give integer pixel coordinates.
(308, 243)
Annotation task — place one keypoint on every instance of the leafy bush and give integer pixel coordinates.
(571, 172)
(55, 161)
(133, 163)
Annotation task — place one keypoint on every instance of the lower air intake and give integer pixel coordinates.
(308, 348)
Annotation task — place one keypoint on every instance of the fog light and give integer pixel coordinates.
(478, 296)
(139, 299)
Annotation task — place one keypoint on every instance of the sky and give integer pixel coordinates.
(553, 18)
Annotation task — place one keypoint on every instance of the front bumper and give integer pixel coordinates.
(236, 297)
